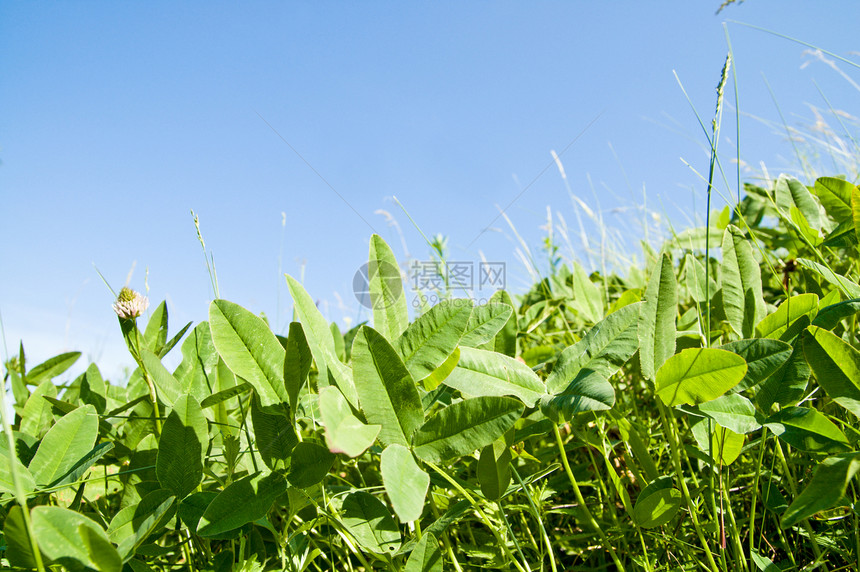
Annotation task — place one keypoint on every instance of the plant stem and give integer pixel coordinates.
(579, 498)
(531, 502)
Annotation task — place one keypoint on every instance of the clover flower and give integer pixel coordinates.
(130, 304)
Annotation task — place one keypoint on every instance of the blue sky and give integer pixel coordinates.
(118, 119)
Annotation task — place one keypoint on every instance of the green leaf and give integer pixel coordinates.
(836, 366)
(390, 312)
(740, 281)
(426, 556)
(51, 368)
(65, 444)
(589, 391)
(319, 339)
(851, 289)
(93, 389)
(441, 373)
(19, 551)
(182, 447)
(696, 279)
(225, 394)
(835, 196)
(243, 501)
(430, 340)
(792, 316)
(483, 373)
(807, 430)
(7, 460)
(732, 411)
(494, 469)
(855, 208)
(167, 386)
(788, 383)
(250, 349)
(386, 390)
(155, 334)
(37, 417)
(465, 426)
(274, 434)
(404, 481)
(657, 504)
(485, 322)
(131, 526)
(604, 349)
(297, 363)
(721, 445)
(197, 372)
(826, 490)
(344, 432)
(505, 341)
(843, 236)
(763, 357)
(792, 193)
(370, 523)
(656, 328)
(829, 316)
(698, 375)
(71, 539)
(83, 465)
(310, 464)
(587, 296)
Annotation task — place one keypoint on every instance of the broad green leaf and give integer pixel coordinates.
(193, 506)
(64, 445)
(657, 504)
(836, 366)
(587, 296)
(404, 481)
(787, 384)
(310, 464)
(843, 236)
(83, 465)
(442, 372)
(763, 357)
(243, 501)
(505, 342)
(605, 348)
(167, 386)
(589, 391)
(721, 445)
(225, 394)
(131, 526)
(274, 433)
(51, 368)
(386, 390)
(790, 318)
(657, 317)
(855, 208)
(848, 287)
(37, 416)
(792, 193)
(196, 372)
(732, 411)
(426, 556)
(390, 311)
(93, 389)
(297, 363)
(8, 463)
(831, 315)
(698, 375)
(483, 373)
(430, 340)
(155, 334)
(71, 539)
(494, 469)
(763, 563)
(740, 281)
(826, 490)
(182, 447)
(485, 322)
(701, 286)
(807, 430)
(465, 426)
(835, 196)
(344, 432)
(316, 328)
(250, 349)
(19, 551)
(369, 521)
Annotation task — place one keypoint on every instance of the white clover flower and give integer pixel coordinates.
(130, 304)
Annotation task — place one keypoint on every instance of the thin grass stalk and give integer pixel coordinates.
(536, 513)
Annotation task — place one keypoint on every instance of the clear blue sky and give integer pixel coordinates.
(118, 118)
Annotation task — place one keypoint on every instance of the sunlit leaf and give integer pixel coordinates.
(656, 327)
(698, 375)
(405, 482)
